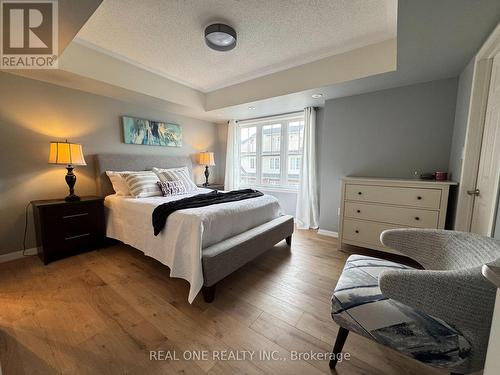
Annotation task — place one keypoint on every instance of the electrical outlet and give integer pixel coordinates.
(338, 211)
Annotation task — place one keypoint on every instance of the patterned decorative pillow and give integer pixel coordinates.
(171, 188)
(118, 181)
(177, 174)
(142, 184)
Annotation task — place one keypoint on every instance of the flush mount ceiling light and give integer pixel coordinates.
(316, 96)
(220, 37)
(251, 107)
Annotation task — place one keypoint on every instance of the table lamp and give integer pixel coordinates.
(68, 154)
(207, 159)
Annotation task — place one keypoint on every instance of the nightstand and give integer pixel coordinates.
(213, 186)
(68, 228)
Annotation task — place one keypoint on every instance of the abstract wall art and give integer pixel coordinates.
(153, 133)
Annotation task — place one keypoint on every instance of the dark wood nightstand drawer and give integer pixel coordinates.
(67, 245)
(67, 228)
(68, 221)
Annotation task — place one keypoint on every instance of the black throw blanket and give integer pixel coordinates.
(162, 212)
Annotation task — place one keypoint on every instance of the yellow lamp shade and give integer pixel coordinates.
(207, 158)
(66, 153)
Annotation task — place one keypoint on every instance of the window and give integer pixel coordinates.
(252, 162)
(294, 164)
(271, 152)
(274, 163)
(248, 147)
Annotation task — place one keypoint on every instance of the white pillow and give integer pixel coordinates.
(176, 174)
(119, 184)
(142, 184)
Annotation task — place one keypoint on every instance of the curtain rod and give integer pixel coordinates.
(270, 117)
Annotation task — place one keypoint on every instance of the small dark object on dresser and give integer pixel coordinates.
(427, 176)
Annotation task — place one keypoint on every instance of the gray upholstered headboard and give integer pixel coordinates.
(127, 162)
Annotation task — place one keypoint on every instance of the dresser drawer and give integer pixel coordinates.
(365, 232)
(412, 217)
(415, 197)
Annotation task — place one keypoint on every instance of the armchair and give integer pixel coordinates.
(440, 315)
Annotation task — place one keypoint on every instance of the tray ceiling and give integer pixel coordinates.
(166, 37)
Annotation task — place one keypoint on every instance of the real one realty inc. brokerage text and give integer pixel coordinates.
(244, 355)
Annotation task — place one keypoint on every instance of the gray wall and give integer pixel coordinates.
(389, 133)
(459, 132)
(33, 113)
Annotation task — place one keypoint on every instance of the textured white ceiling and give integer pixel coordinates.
(166, 36)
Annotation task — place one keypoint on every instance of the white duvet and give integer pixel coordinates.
(180, 243)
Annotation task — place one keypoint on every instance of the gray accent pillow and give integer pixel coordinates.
(177, 174)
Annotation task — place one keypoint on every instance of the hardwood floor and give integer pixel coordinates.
(102, 312)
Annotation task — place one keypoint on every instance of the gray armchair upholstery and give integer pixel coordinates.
(440, 315)
(451, 287)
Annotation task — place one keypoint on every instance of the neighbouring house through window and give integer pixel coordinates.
(270, 151)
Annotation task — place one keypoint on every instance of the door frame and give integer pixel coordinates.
(475, 127)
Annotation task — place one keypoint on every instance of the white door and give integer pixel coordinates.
(484, 212)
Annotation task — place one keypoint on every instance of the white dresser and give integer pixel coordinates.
(371, 205)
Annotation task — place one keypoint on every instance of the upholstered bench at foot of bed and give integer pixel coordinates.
(225, 257)
(359, 306)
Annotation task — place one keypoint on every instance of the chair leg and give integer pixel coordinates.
(337, 348)
(289, 240)
(208, 293)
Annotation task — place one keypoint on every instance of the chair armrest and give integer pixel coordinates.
(462, 298)
(422, 245)
(442, 249)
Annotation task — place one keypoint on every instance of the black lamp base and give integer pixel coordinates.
(207, 173)
(71, 180)
(72, 198)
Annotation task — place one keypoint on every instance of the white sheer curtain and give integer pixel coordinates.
(232, 163)
(307, 210)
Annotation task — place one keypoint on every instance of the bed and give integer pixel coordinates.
(201, 245)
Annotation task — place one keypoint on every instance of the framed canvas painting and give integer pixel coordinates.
(138, 131)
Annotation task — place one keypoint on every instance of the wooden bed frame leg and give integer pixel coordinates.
(208, 293)
(289, 240)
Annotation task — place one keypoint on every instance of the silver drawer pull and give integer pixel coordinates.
(75, 215)
(77, 236)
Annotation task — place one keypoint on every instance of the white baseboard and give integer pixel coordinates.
(17, 255)
(328, 233)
